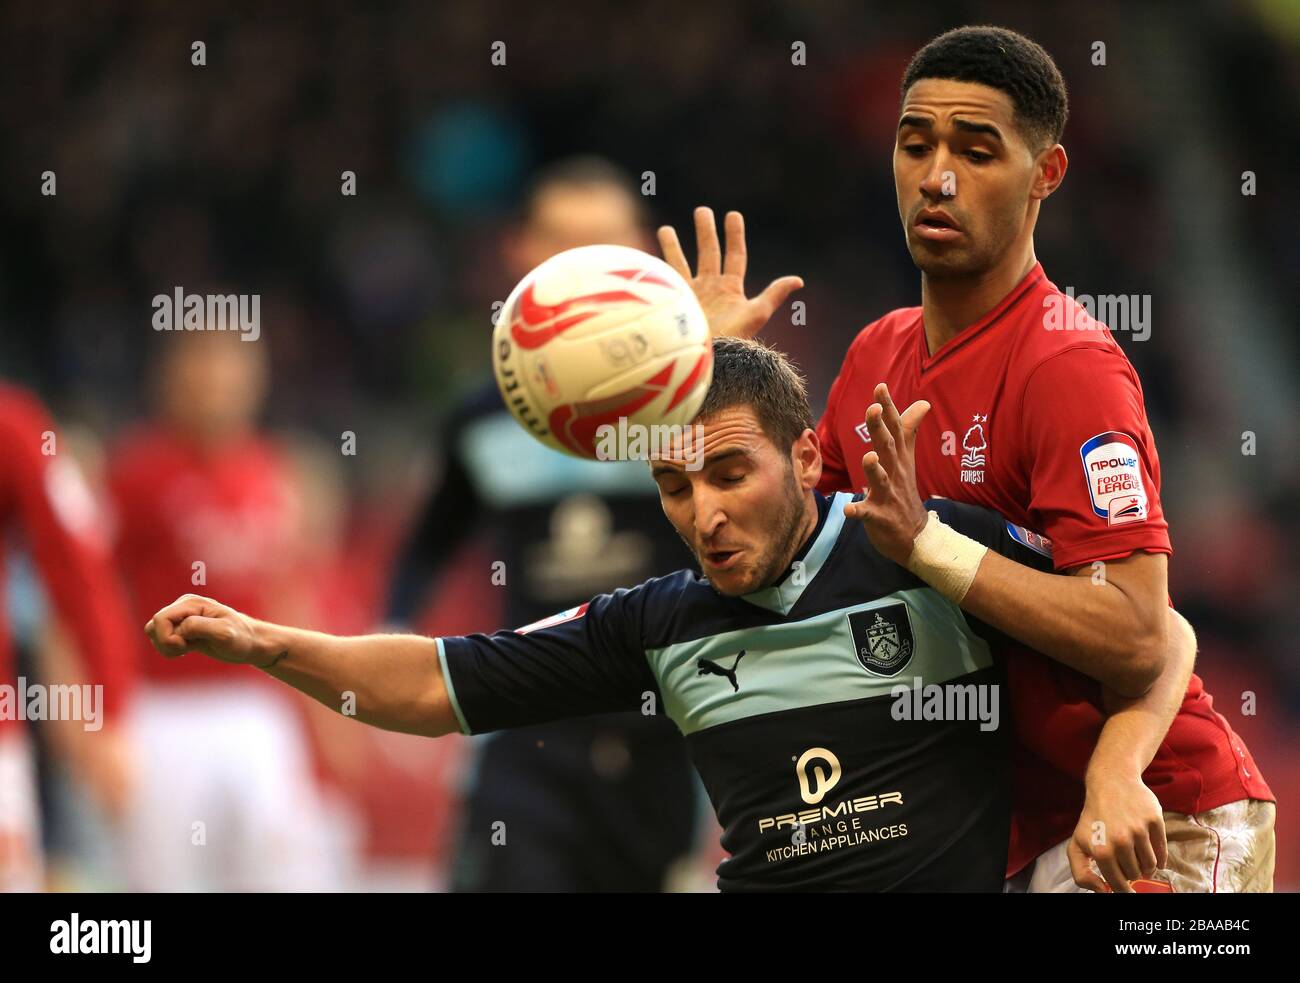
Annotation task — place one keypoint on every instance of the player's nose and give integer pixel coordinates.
(940, 181)
(709, 516)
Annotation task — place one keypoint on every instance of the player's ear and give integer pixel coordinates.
(806, 456)
(1049, 171)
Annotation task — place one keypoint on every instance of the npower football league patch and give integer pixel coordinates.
(1113, 469)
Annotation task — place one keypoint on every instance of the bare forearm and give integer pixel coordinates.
(1109, 629)
(1136, 727)
(389, 681)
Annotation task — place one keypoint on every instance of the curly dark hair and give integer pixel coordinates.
(1002, 60)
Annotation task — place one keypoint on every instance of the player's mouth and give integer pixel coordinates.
(936, 225)
(721, 559)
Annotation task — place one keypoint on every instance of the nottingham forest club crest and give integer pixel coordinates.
(882, 638)
(974, 450)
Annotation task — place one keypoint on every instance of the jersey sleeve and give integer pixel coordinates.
(835, 473)
(1094, 477)
(583, 661)
(63, 527)
(994, 531)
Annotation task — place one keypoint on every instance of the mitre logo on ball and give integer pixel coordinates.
(601, 337)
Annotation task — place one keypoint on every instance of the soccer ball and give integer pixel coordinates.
(595, 335)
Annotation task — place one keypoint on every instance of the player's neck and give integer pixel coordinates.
(950, 304)
(808, 524)
(207, 441)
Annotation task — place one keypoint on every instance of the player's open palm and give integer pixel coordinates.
(719, 284)
(199, 624)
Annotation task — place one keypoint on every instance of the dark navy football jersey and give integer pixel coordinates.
(845, 721)
(564, 528)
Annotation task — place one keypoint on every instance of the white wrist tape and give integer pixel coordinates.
(945, 559)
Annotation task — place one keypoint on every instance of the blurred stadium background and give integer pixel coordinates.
(376, 308)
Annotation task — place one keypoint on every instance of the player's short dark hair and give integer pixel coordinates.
(1002, 60)
(749, 373)
(580, 171)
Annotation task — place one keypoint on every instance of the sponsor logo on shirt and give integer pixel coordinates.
(707, 667)
(814, 783)
(861, 431)
(818, 771)
(974, 447)
(1112, 467)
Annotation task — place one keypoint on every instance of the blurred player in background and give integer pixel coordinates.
(225, 798)
(597, 804)
(47, 510)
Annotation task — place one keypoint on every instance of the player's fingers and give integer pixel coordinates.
(911, 421)
(671, 247)
(1115, 863)
(167, 618)
(776, 293)
(877, 477)
(891, 417)
(212, 636)
(1082, 871)
(1128, 858)
(197, 628)
(1145, 855)
(1111, 873)
(863, 510)
(881, 439)
(737, 259)
(708, 254)
(162, 634)
(1158, 842)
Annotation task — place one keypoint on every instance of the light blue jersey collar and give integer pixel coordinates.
(783, 596)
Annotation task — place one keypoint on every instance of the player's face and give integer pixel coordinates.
(212, 385)
(746, 512)
(565, 217)
(963, 173)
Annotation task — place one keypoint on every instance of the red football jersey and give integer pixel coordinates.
(1037, 414)
(217, 522)
(45, 502)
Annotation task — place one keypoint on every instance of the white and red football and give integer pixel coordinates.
(598, 334)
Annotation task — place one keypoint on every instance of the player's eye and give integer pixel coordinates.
(978, 156)
(733, 479)
(914, 149)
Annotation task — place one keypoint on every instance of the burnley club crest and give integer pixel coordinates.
(882, 638)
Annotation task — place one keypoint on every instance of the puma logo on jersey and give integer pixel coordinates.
(707, 667)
